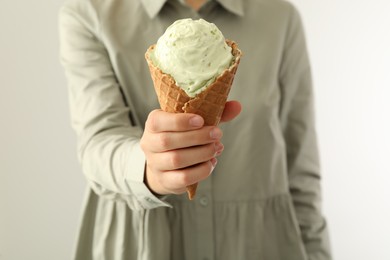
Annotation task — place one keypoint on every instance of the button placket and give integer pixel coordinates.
(205, 227)
(204, 217)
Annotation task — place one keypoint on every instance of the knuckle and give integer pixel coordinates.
(144, 143)
(163, 141)
(175, 160)
(176, 121)
(180, 121)
(151, 122)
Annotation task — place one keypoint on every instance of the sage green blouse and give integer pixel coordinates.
(263, 200)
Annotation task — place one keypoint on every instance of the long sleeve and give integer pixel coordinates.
(297, 119)
(108, 138)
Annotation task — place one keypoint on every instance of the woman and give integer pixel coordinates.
(262, 200)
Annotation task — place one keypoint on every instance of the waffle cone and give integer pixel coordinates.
(209, 103)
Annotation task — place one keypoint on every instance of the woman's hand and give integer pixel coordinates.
(179, 150)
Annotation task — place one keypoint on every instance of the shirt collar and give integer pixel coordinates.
(233, 6)
(153, 7)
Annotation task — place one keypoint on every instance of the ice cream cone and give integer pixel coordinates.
(209, 103)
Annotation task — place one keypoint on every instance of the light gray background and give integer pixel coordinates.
(41, 185)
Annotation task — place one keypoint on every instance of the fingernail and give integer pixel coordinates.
(196, 121)
(216, 133)
(214, 162)
(218, 148)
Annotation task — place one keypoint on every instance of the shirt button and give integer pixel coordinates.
(150, 200)
(204, 201)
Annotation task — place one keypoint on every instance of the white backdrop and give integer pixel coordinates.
(41, 185)
(349, 42)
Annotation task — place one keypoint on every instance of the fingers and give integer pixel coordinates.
(182, 158)
(165, 141)
(176, 182)
(231, 111)
(160, 121)
(178, 131)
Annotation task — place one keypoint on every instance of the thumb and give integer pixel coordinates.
(231, 111)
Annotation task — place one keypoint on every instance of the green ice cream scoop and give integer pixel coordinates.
(194, 53)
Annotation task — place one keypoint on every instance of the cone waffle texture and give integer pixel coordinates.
(209, 103)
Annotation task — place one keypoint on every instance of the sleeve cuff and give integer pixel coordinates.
(135, 180)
